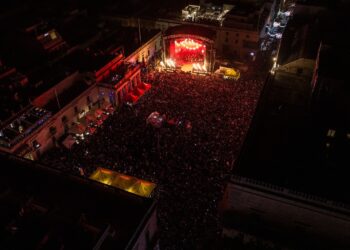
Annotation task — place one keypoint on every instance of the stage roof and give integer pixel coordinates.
(191, 30)
(125, 182)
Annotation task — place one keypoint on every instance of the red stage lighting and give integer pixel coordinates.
(188, 50)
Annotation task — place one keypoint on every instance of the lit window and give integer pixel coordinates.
(331, 133)
(53, 35)
(36, 145)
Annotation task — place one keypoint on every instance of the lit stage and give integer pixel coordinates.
(188, 48)
(186, 67)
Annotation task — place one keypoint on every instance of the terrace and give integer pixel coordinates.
(68, 95)
(206, 14)
(22, 126)
(13, 85)
(68, 213)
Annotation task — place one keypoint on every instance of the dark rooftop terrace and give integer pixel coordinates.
(42, 207)
(127, 37)
(66, 96)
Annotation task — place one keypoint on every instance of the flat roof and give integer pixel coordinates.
(68, 95)
(191, 30)
(43, 207)
(301, 39)
(80, 28)
(25, 123)
(288, 147)
(123, 36)
(49, 75)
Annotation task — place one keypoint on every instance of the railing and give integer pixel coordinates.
(291, 193)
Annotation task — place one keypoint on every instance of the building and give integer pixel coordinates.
(275, 216)
(289, 180)
(238, 27)
(13, 86)
(77, 87)
(330, 106)
(44, 208)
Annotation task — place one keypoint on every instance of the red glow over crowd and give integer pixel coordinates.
(202, 124)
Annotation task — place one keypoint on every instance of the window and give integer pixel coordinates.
(53, 131)
(226, 33)
(64, 119)
(35, 144)
(88, 99)
(76, 110)
(226, 40)
(331, 133)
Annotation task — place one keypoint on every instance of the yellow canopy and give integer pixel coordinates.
(125, 182)
(229, 72)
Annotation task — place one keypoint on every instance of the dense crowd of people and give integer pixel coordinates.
(188, 159)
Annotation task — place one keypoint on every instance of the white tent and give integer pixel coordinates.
(155, 119)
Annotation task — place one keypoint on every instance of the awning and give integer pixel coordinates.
(144, 86)
(98, 112)
(77, 129)
(131, 98)
(228, 72)
(90, 117)
(138, 92)
(124, 182)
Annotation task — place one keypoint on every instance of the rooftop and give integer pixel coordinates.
(29, 120)
(65, 97)
(243, 15)
(78, 28)
(209, 14)
(42, 207)
(191, 30)
(13, 87)
(127, 37)
(301, 39)
(289, 146)
(331, 93)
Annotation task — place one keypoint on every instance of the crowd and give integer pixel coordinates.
(189, 160)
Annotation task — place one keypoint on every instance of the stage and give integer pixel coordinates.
(186, 67)
(188, 48)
